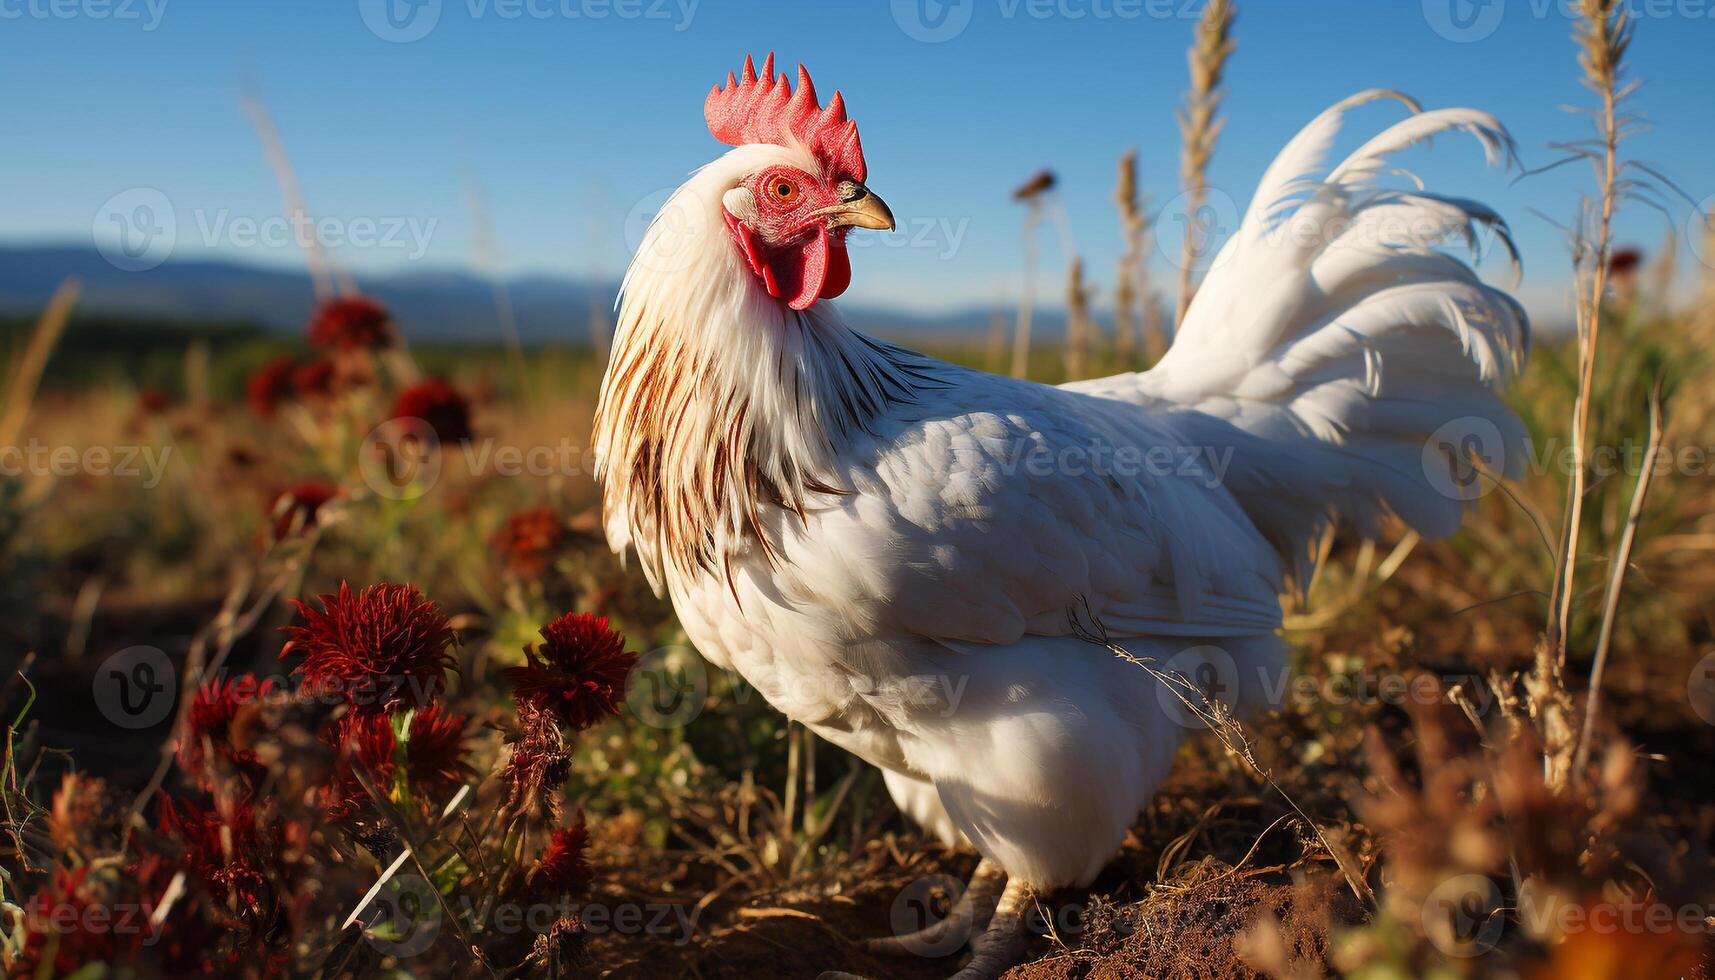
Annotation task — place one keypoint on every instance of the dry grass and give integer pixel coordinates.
(1199, 128)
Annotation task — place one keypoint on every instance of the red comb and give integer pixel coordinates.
(766, 110)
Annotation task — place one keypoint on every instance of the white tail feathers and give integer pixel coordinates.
(1360, 360)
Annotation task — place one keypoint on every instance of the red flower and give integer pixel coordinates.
(578, 672)
(72, 916)
(434, 756)
(353, 323)
(315, 379)
(209, 728)
(270, 386)
(529, 540)
(382, 646)
(1624, 262)
(226, 851)
(153, 401)
(439, 406)
(564, 866)
(297, 508)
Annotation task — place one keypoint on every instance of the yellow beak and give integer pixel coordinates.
(861, 209)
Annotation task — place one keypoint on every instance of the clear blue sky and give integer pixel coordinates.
(572, 112)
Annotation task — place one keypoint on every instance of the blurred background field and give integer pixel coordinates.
(271, 449)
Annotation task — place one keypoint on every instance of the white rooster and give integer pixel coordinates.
(895, 551)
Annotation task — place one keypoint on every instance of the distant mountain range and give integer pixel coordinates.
(449, 305)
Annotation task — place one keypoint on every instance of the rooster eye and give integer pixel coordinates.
(783, 190)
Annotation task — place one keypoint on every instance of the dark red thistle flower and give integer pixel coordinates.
(577, 673)
(226, 849)
(297, 507)
(564, 866)
(153, 401)
(314, 379)
(433, 753)
(208, 733)
(438, 405)
(69, 925)
(1624, 262)
(530, 540)
(270, 386)
(383, 646)
(352, 323)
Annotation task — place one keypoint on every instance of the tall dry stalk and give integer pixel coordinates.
(323, 275)
(1080, 329)
(1617, 579)
(1132, 294)
(1033, 193)
(1026, 295)
(1199, 127)
(1125, 286)
(485, 258)
(1603, 32)
(1705, 315)
(27, 373)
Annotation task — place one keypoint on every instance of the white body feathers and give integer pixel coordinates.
(891, 549)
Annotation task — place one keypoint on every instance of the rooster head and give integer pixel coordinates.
(789, 219)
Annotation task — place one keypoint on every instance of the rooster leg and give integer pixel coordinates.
(971, 911)
(1001, 944)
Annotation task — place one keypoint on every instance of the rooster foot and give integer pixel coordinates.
(999, 946)
(994, 950)
(972, 910)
